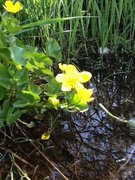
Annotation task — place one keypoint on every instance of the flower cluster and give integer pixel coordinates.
(71, 78)
(13, 8)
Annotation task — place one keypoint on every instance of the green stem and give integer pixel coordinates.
(113, 116)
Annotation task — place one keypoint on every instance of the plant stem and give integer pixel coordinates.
(113, 116)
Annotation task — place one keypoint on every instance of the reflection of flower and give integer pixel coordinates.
(54, 101)
(84, 95)
(13, 8)
(71, 78)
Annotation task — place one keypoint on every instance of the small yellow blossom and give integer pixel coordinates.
(71, 78)
(46, 136)
(13, 8)
(54, 101)
(84, 95)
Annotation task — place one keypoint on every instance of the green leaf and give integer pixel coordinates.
(26, 98)
(53, 87)
(39, 63)
(5, 78)
(17, 55)
(4, 53)
(49, 21)
(11, 24)
(30, 67)
(2, 93)
(36, 89)
(21, 77)
(13, 115)
(3, 43)
(53, 49)
(42, 58)
(81, 106)
(30, 96)
(47, 72)
(3, 112)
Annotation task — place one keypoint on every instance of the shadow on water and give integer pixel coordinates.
(98, 146)
(88, 145)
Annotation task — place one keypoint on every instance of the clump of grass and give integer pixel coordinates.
(114, 25)
(64, 32)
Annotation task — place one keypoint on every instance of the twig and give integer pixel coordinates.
(122, 167)
(45, 157)
(23, 173)
(21, 159)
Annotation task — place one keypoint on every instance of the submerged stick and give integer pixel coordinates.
(113, 116)
(45, 157)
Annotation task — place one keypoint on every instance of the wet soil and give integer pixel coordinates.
(88, 145)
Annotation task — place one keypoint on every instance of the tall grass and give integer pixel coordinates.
(65, 32)
(113, 27)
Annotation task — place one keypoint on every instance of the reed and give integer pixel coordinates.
(113, 24)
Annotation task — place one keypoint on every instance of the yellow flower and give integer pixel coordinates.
(84, 95)
(46, 136)
(54, 101)
(71, 78)
(13, 8)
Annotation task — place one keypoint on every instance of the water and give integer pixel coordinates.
(98, 146)
(88, 145)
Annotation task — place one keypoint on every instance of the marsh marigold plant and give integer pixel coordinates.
(72, 82)
(29, 82)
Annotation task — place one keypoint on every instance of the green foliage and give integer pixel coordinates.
(27, 79)
(113, 24)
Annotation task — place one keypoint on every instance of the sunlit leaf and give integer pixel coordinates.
(17, 55)
(53, 49)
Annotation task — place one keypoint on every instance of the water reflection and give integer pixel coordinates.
(90, 146)
(100, 147)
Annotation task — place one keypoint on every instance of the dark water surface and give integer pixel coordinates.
(103, 148)
(89, 145)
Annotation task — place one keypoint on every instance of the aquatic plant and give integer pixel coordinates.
(27, 80)
(113, 24)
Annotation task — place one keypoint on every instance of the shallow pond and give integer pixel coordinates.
(88, 145)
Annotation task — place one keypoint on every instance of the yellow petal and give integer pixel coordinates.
(78, 86)
(46, 136)
(62, 66)
(85, 95)
(91, 99)
(17, 6)
(66, 87)
(60, 77)
(53, 100)
(9, 4)
(12, 8)
(67, 68)
(70, 68)
(84, 76)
